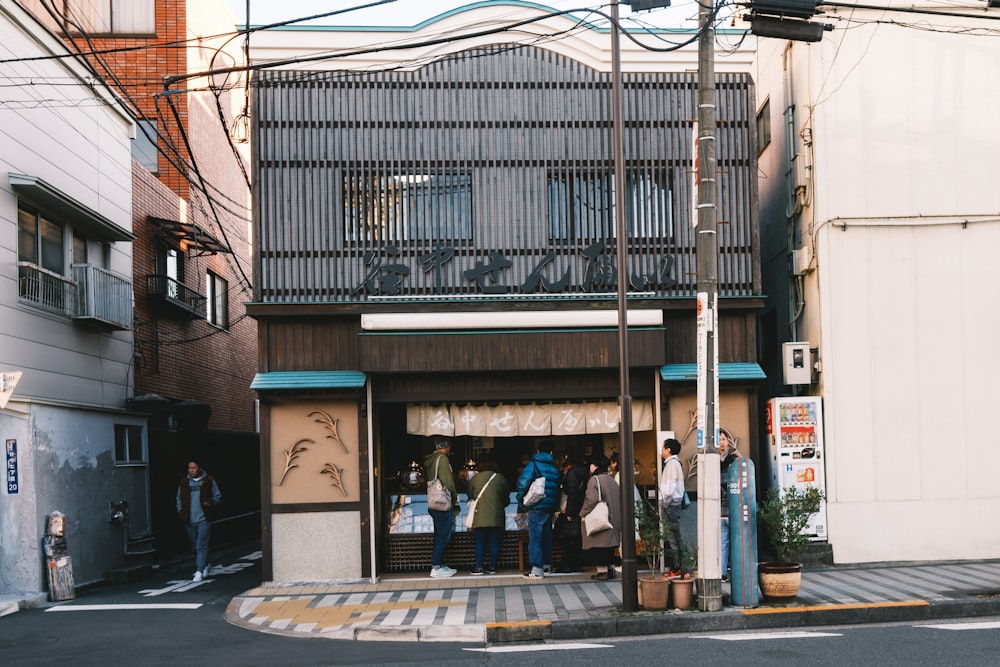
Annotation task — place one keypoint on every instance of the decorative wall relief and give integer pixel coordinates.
(290, 455)
(330, 424)
(336, 473)
(308, 471)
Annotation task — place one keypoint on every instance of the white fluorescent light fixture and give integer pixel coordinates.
(540, 319)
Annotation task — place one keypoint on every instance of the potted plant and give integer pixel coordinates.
(653, 587)
(682, 586)
(784, 515)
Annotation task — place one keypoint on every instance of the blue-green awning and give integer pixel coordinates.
(308, 380)
(727, 371)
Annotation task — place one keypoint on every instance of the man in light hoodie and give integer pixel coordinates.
(197, 496)
(671, 493)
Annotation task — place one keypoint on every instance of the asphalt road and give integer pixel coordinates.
(167, 620)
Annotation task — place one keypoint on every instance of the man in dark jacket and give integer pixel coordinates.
(574, 486)
(197, 496)
(540, 514)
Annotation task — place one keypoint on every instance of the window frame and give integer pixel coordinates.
(125, 434)
(216, 300)
(110, 17)
(763, 121)
(404, 208)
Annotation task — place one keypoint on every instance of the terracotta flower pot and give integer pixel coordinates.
(653, 592)
(682, 591)
(779, 582)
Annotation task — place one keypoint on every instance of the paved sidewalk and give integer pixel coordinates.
(508, 607)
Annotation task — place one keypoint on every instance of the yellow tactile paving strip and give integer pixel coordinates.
(302, 611)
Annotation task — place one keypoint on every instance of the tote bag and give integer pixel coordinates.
(438, 496)
(598, 519)
(470, 517)
(535, 492)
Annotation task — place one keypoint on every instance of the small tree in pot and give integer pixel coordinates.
(784, 515)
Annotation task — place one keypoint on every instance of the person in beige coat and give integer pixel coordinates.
(599, 548)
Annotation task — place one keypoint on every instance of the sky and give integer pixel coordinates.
(412, 12)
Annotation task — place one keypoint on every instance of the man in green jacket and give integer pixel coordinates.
(437, 466)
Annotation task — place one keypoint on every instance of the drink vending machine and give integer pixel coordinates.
(795, 432)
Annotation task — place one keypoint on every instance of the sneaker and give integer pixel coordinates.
(547, 569)
(442, 571)
(491, 571)
(477, 572)
(198, 576)
(532, 575)
(208, 568)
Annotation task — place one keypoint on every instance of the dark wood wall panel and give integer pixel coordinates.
(501, 386)
(506, 351)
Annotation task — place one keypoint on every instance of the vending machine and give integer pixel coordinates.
(795, 432)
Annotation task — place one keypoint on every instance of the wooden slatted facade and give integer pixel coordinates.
(482, 182)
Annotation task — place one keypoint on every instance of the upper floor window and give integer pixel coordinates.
(764, 126)
(144, 146)
(582, 206)
(41, 267)
(111, 17)
(408, 207)
(217, 300)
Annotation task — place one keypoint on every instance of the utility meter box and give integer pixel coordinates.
(796, 362)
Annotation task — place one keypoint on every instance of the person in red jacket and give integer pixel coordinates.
(197, 496)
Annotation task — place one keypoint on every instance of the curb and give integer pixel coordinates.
(767, 618)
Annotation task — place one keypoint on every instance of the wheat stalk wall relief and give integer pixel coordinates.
(331, 425)
(291, 454)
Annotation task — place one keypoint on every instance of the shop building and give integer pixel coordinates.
(435, 255)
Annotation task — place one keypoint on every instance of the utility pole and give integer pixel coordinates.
(707, 254)
(630, 590)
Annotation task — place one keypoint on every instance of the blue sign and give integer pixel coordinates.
(12, 466)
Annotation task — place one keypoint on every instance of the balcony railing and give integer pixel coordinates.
(93, 295)
(168, 291)
(103, 297)
(45, 289)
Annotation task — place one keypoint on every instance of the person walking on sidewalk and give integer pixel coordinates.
(540, 513)
(197, 497)
(439, 465)
(492, 495)
(599, 548)
(671, 493)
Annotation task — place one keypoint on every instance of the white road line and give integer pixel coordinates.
(769, 635)
(536, 647)
(118, 607)
(984, 625)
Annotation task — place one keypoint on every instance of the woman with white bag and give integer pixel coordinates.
(491, 494)
(599, 547)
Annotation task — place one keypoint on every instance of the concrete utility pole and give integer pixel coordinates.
(630, 590)
(707, 251)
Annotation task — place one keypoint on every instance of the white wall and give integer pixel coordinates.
(902, 305)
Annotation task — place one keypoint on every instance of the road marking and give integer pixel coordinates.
(984, 625)
(536, 647)
(770, 635)
(174, 587)
(119, 607)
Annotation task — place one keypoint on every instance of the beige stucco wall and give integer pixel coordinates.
(314, 452)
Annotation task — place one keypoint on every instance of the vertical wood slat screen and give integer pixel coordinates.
(365, 177)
